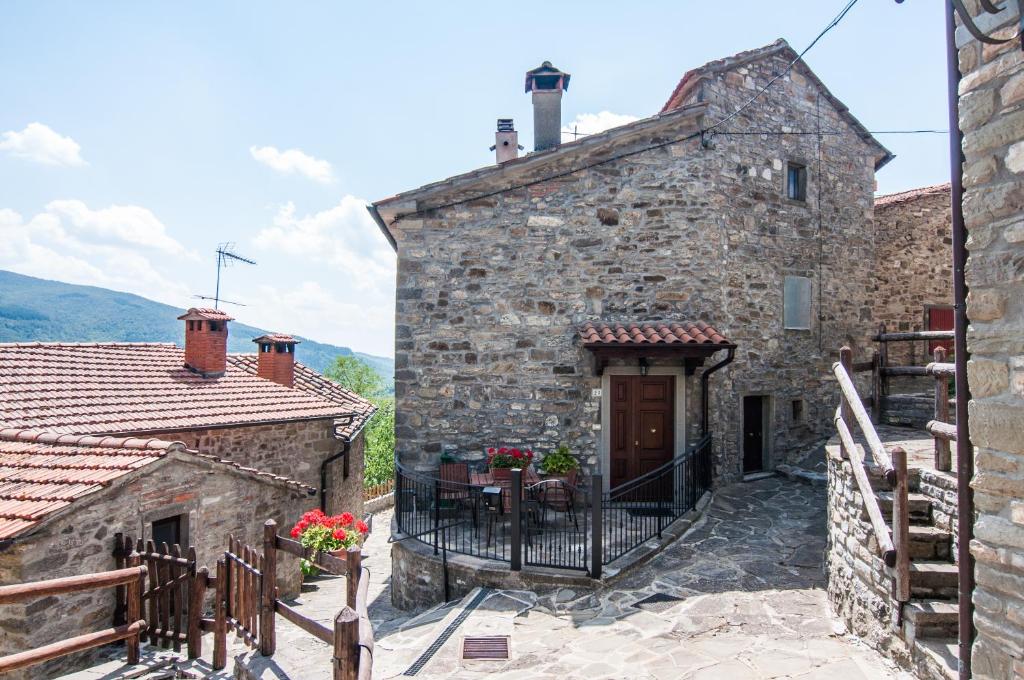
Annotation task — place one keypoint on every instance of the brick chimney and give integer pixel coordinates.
(547, 84)
(276, 358)
(206, 341)
(506, 141)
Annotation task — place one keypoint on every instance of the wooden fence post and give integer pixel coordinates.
(943, 458)
(845, 411)
(268, 638)
(876, 387)
(346, 645)
(354, 558)
(197, 595)
(596, 530)
(220, 623)
(901, 532)
(883, 361)
(133, 608)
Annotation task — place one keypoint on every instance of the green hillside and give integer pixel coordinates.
(37, 309)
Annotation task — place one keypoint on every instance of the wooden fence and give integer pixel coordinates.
(173, 596)
(378, 490)
(129, 578)
(247, 602)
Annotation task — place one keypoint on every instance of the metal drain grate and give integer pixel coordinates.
(491, 647)
(657, 603)
(429, 653)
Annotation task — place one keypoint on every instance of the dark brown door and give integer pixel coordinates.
(753, 434)
(642, 424)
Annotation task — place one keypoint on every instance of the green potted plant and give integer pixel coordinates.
(503, 460)
(560, 464)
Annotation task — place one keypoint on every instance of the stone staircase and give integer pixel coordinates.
(930, 618)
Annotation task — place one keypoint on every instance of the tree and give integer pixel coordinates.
(356, 375)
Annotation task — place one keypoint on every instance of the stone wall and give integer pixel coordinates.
(992, 118)
(914, 264)
(217, 500)
(491, 292)
(293, 449)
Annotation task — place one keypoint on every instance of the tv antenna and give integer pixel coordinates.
(225, 258)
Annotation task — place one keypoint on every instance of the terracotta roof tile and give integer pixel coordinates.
(44, 472)
(113, 388)
(663, 333)
(276, 337)
(904, 196)
(360, 410)
(207, 313)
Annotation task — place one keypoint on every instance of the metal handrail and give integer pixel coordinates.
(647, 476)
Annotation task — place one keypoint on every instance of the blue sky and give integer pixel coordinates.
(134, 137)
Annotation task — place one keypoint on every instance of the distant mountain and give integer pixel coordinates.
(34, 309)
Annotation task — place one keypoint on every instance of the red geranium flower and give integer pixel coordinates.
(347, 519)
(491, 450)
(340, 534)
(296, 531)
(516, 453)
(361, 527)
(503, 450)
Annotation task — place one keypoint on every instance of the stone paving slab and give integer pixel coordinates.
(751, 604)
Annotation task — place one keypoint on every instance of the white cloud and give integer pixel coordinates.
(39, 143)
(42, 246)
(592, 123)
(126, 223)
(292, 161)
(344, 237)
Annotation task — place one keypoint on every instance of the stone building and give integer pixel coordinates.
(533, 291)
(914, 268)
(63, 498)
(992, 119)
(265, 410)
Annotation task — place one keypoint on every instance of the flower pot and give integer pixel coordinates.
(501, 474)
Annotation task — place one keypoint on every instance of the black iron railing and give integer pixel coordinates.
(551, 522)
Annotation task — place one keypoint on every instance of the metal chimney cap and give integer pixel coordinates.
(506, 125)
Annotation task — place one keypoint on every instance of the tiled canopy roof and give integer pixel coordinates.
(276, 337)
(648, 334)
(310, 381)
(199, 313)
(42, 473)
(137, 388)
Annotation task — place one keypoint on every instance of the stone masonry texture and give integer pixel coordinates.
(992, 119)
(217, 500)
(491, 292)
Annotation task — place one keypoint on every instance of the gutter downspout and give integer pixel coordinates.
(704, 377)
(372, 209)
(323, 472)
(964, 449)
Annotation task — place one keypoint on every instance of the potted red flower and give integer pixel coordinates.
(332, 534)
(503, 460)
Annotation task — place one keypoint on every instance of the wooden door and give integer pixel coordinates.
(753, 434)
(940, 319)
(642, 425)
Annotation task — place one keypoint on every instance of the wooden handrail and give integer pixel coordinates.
(881, 529)
(878, 453)
(78, 643)
(70, 584)
(938, 368)
(901, 533)
(941, 430)
(913, 335)
(314, 628)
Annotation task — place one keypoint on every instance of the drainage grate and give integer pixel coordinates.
(446, 634)
(657, 603)
(490, 647)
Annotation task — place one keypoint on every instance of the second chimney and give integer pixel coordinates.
(276, 359)
(506, 141)
(547, 84)
(206, 341)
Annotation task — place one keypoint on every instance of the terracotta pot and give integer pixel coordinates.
(501, 474)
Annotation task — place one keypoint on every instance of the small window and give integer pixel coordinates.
(214, 326)
(796, 182)
(797, 413)
(264, 346)
(167, 530)
(796, 313)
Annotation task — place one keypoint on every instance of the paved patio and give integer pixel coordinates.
(740, 596)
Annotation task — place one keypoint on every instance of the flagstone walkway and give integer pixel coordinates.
(740, 596)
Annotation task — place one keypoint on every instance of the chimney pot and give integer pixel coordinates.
(547, 84)
(276, 358)
(206, 341)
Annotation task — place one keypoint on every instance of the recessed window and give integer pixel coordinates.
(796, 312)
(796, 182)
(214, 326)
(169, 530)
(797, 411)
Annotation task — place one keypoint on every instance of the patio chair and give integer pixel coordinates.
(555, 495)
(455, 487)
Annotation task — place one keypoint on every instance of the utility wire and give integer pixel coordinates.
(832, 24)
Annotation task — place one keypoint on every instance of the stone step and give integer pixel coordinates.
(920, 506)
(931, 619)
(929, 543)
(937, 657)
(933, 579)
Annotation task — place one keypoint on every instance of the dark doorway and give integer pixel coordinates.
(753, 433)
(642, 425)
(167, 530)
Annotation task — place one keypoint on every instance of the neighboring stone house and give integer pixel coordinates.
(992, 119)
(914, 268)
(264, 411)
(535, 296)
(64, 496)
